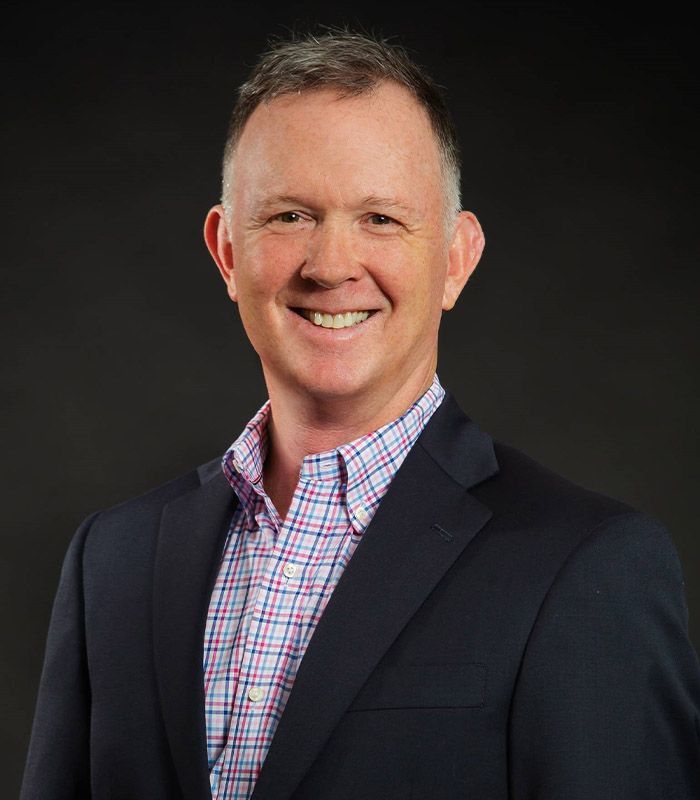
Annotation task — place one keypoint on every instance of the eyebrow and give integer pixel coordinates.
(387, 203)
(372, 200)
(279, 199)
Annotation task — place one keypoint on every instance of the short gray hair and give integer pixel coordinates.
(353, 63)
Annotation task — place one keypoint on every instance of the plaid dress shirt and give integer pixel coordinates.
(276, 577)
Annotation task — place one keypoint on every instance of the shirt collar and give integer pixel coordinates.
(363, 467)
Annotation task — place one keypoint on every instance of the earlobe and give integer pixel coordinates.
(216, 236)
(464, 253)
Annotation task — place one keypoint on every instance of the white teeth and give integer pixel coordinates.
(344, 320)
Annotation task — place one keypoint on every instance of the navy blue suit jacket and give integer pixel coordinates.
(499, 634)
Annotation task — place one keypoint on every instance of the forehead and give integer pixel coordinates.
(373, 143)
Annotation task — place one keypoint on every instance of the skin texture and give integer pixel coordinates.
(336, 204)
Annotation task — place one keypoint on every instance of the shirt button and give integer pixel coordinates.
(256, 694)
(237, 465)
(290, 570)
(362, 516)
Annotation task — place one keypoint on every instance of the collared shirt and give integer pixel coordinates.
(276, 577)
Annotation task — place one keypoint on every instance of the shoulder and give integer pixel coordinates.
(538, 517)
(531, 489)
(131, 519)
(573, 531)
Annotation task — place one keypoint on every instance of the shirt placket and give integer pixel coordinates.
(260, 673)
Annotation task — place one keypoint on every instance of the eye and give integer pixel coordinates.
(380, 219)
(289, 217)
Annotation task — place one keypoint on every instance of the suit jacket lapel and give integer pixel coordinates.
(192, 535)
(422, 525)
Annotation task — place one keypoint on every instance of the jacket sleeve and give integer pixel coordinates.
(607, 701)
(58, 759)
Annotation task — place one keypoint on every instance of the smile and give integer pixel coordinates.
(346, 319)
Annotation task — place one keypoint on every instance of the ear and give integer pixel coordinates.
(216, 235)
(466, 248)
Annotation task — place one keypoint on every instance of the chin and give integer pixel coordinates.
(334, 383)
(333, 390)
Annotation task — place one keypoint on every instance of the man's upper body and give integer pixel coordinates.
(498, 633)
(488, 630)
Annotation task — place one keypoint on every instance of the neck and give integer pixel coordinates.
(301, 424)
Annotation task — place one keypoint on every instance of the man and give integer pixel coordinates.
(367, 597)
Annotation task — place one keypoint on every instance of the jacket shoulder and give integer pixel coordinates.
(514, 486)
(143, 512)
(525, 487)
(547, 518)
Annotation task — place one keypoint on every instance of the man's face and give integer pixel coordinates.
(336, 207)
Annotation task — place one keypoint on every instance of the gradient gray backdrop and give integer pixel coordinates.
(576, 339)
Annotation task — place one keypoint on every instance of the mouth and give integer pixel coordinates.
(344, 319)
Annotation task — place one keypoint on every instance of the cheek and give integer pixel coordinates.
(268, 265)
(389, 264)
(412, 278)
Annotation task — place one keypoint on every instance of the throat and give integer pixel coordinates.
(280, 481)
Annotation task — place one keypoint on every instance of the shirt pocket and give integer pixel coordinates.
(423, 686)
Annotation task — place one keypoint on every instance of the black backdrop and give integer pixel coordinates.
(576, 340)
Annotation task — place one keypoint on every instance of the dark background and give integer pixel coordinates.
(576, 339)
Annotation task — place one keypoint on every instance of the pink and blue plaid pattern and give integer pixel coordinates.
(276, 577)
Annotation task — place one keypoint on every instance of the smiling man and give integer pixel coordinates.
(367, 596)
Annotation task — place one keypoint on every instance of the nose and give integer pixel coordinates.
(330, 257)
